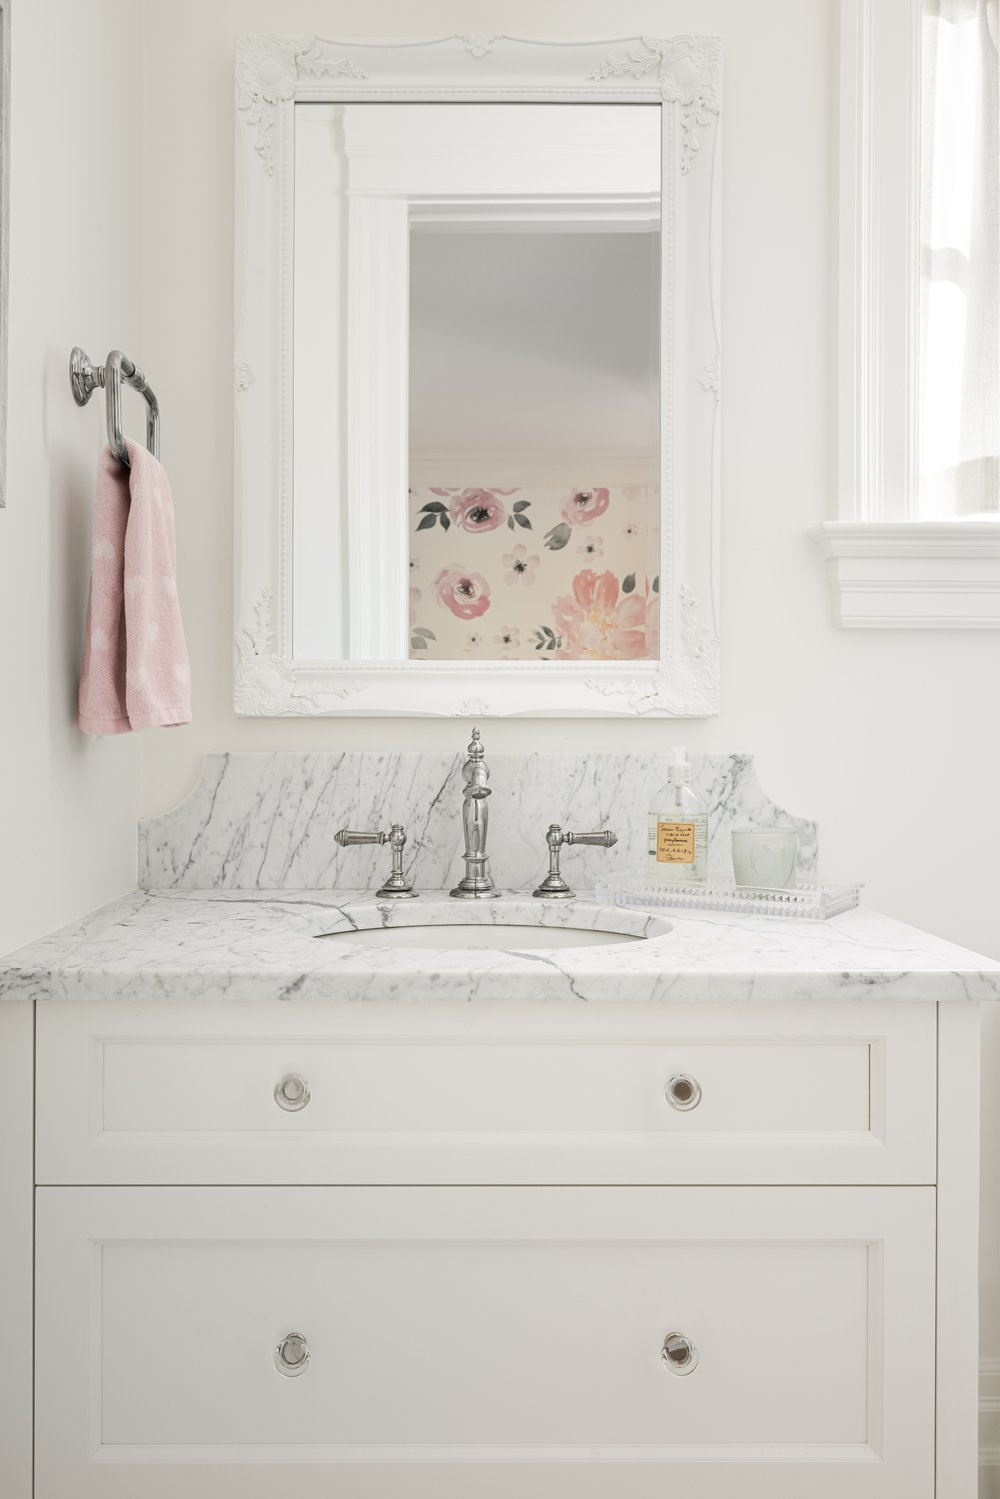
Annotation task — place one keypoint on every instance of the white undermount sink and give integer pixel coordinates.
(469, 936)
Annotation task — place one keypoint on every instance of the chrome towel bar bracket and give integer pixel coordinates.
(85, 377)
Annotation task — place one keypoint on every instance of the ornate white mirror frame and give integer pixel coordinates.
(682, 75)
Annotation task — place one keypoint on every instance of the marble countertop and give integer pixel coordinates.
(262, 945)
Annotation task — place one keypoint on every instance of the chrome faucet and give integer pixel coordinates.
(476, 883)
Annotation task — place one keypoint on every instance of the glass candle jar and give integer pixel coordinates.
(765, 857)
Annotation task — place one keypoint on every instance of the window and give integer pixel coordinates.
(959, 397)
(916, 542)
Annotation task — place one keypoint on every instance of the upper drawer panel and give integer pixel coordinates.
(161, 1093)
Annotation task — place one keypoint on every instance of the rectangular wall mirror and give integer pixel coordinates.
(477, 377)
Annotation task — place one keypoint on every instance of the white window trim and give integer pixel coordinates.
(887, 567)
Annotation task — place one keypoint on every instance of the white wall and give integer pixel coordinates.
(880, 735)
(67, 840)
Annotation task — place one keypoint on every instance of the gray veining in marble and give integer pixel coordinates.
(254, 945)
(266, 822)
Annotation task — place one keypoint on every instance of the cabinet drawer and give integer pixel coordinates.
(426, 1093)
(485, 1341)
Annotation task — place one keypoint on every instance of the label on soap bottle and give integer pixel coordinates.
(675, 842)
(678, 847)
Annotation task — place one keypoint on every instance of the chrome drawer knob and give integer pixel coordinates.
(683, 1093)
(291, 1092)
(680, 1355)
(291, 1357)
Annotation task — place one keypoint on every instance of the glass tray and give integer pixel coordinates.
(811, 900)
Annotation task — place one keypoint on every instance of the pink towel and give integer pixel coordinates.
(136, 673)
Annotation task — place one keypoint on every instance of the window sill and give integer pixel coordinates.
(915, 575)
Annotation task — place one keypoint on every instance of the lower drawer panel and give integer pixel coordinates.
(485, 1341)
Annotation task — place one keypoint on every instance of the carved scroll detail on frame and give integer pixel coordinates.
(478, 46)
(267, 71)
(265, 682)
(688, 68)
(688, 685)
(710, 378)
(243, 376)
(265, 75)
(473, 706)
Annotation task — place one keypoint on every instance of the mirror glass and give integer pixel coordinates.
(522, 301)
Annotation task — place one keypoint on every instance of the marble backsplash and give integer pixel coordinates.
(266, 821)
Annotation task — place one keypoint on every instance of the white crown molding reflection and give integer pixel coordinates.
(681, 76)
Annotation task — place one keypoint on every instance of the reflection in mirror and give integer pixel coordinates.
(477, 393)
(533, 458)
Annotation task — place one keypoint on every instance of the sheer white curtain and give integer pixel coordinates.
(960, 261)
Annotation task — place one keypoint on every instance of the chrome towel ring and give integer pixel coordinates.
(85, 377)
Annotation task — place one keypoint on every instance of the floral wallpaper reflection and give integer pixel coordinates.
(533, 573)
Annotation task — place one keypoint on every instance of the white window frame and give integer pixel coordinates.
(889, 568)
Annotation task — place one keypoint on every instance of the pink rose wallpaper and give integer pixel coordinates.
(520, 567)
(584, 505)
(478, 510)
(466, 594)
(600, 623)
(528, 565)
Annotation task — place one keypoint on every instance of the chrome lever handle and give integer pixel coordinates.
(554, 886)
(397, 886)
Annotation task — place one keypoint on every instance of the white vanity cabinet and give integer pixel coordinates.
(416, 1249)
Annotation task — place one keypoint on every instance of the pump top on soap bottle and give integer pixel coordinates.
(678, 827)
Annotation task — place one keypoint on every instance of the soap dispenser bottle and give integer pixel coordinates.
(678, 827)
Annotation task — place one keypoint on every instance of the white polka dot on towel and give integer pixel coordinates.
(133, 585)
(103, 551)
(182, 671)
(98, 639)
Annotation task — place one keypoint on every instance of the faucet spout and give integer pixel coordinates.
(476, 884)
